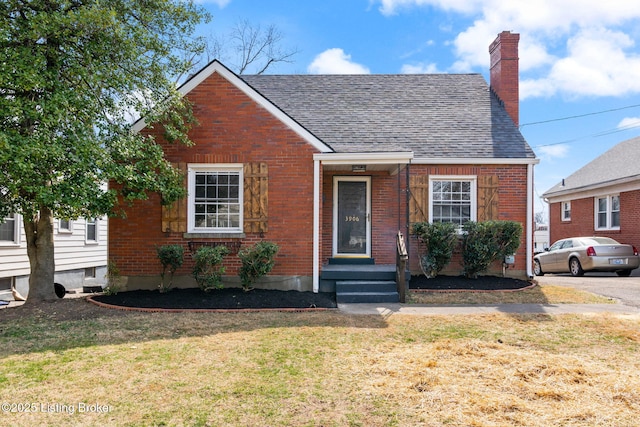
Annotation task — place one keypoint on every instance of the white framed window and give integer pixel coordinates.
(91, 230)
(453, 199)
(607, 212)
(566, 211)
(65, 226)
(215, 198)
(10, 230)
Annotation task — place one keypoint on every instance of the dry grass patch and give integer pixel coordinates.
(547, 294)
(325, 369)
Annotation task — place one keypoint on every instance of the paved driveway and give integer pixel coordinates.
(625, 289)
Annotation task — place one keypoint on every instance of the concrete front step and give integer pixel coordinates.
(366, 286)
(366, 297)
(366, 291)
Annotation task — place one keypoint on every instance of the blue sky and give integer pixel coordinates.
(578, 58)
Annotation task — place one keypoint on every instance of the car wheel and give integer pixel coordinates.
(623, 273)
(575, 268)
(537, 268)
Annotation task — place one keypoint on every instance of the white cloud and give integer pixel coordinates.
(550, 152)
(596, 65)
(629, 123)
(573, 48)
(335, 61)
(420, 68)
(390, 7)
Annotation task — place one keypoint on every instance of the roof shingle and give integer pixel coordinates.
(433, 115)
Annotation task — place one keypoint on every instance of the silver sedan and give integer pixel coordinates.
(576, 255)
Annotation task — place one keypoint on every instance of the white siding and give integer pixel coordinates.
(71, 250)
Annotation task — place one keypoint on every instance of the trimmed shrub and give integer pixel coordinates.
(257, 261)
(171, 258)
(486, 242)
(208, 268)
(440, 239)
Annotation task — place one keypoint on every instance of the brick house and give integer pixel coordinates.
(331, 167)
(600, 199)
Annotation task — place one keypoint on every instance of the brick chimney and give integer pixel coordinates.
(504, 72)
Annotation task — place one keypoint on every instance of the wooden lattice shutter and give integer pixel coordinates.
(174, 216)
(419, 200)
(488, 187)
(256, 186)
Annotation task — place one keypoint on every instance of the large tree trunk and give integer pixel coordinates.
(39, 232)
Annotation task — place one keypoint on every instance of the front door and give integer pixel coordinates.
(352, 216)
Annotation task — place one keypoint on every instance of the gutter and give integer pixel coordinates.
(529, 229)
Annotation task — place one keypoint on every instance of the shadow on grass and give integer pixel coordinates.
(72, 323)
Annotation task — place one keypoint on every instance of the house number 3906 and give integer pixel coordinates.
(352, 218)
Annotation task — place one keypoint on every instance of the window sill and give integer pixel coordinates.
(214, 235)
(8, 244)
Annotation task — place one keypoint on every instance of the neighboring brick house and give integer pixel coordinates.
(322, 165)
(600, 199)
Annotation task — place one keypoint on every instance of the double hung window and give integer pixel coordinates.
(215, 198)
(607, 210)
(9, 230)
(453, 199)
(91, 235)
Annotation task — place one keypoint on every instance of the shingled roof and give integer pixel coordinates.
(432, 115)
(620, 164)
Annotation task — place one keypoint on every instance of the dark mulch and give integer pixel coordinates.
(228, 298)
(484, 283)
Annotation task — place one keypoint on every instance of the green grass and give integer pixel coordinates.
(324, 369)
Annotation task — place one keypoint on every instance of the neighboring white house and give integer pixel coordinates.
(80, 254)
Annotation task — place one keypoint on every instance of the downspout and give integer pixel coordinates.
(316, 226)
(529, 219)
(408, 201)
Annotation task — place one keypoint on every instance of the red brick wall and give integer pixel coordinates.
(232, 129)
(582, 220)
(512, 196)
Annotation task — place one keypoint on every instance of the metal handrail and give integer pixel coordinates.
(401, 266)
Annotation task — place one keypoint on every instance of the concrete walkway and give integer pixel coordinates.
(437, 310)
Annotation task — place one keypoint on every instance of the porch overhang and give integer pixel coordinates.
(393, 162)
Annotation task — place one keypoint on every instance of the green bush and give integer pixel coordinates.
(208, 268)
(171, 258)
(486, 242)
(257, 261)
(440, 239)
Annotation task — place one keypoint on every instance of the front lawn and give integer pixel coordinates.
(318, 369)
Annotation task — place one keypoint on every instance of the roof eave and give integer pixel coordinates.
(627, 183)
(476, 160)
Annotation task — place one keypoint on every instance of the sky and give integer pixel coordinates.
(579, 59)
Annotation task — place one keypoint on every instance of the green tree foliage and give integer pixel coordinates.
(257, 261)
(440, 240)
(72, 73)
(486, 242)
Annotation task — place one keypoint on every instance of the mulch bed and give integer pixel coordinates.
(219, 299)
(236, 298)
(482, 283)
